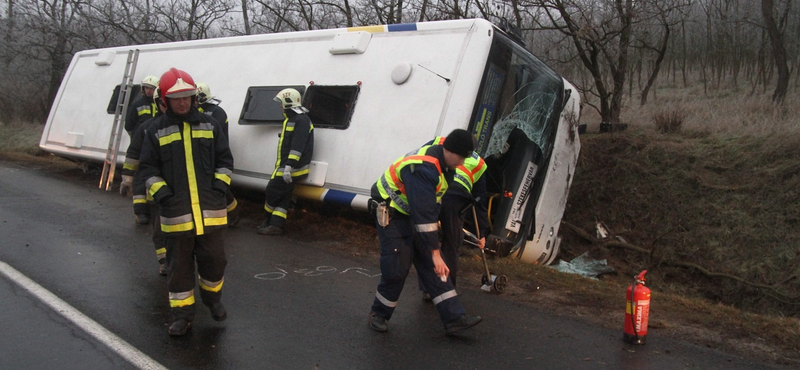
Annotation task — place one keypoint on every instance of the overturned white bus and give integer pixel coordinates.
(374, 94)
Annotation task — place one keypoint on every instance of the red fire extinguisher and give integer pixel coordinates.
(637, 310)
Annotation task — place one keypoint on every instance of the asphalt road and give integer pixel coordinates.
(79, 289)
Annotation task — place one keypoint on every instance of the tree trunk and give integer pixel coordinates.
(9, 32)
(661, 52)
(778, 51)
(245, 18)
(625, 10)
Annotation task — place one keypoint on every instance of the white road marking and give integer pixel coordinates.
(115, 343)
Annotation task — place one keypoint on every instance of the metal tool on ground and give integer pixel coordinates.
(489, 282)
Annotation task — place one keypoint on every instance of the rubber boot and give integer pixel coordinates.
(212, 301)
(181, 320)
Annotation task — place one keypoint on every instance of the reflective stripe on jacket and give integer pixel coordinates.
(470, 172)
(186, 164)
(391, 185)
(296, 144)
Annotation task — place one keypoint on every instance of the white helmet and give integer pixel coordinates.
(150, 81)
(289, 98)
(203, 93)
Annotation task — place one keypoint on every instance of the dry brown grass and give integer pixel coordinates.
(713, 205)
(724, 111)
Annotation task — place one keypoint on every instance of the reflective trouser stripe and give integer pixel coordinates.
(385, 301)
(181, 299)
(211, 286)
(280, 212)
(427, 228)
(444, 296)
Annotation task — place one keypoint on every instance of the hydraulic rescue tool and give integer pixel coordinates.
(637, 311)
(489, 282)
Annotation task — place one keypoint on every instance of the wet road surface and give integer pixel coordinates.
(291, 305)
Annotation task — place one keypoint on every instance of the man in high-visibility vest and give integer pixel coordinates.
(407, 201)
(467, 188)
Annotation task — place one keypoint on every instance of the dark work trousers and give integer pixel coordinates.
(182, 253)
(452, 221)
(158, 236)
(278, 200)
(399, 251)
(234, 209)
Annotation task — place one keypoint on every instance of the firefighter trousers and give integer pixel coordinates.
(182, 252)
(159, 242)
(399, 251)
(278, 200)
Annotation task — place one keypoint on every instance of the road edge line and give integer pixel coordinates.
(91, 327)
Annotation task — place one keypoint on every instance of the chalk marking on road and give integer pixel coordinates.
(319, 270)
(361, 271)
(115, 343)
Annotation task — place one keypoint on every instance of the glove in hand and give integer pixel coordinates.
(287, 174)
(126, 189)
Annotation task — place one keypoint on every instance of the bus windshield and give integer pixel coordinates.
(518, 91)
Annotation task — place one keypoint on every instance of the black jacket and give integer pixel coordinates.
(189, 189)
(296, 144)
(140, 110)
(218, 113)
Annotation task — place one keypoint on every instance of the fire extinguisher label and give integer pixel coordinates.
(642, 314)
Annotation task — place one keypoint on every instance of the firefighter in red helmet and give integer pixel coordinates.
(186, 164)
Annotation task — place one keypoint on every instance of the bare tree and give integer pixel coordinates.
(601, 33)
(663, 12)
(53, 30)
(245, 18)
(778, 47)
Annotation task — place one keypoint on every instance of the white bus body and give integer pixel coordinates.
(374, 93)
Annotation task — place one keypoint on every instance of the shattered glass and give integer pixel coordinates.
(537, 90)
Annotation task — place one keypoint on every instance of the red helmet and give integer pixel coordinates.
(176, 84)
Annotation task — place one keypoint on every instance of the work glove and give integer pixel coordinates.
(287, 174)
(126, 189)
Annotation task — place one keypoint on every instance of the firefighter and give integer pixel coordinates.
(406, 198)
(186, 164)
(209, 104)
(295, 148)
(466, 189)
(134, 185)
(143, 108)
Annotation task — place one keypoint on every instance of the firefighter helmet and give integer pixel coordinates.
(289, 98)
(203, 93)
(176, 84)
(150, 81)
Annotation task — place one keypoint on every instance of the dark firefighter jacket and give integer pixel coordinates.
(140, 110)
(419, 179)
(218, 113)
(296, 144)
(186, 164)
(131, 166)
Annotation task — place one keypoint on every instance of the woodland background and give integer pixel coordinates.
(616, 51)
